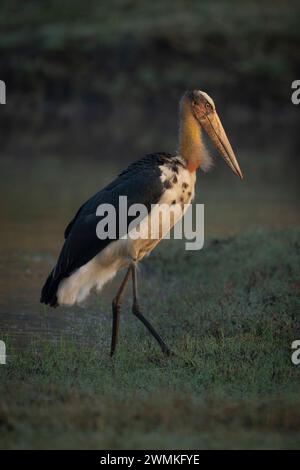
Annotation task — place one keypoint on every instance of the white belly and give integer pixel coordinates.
(178, 195)
(94, 274)
(169, 210)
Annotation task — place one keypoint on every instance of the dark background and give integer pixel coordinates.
(104, 78)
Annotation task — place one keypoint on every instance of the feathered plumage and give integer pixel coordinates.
(157, 181)
(140, 182)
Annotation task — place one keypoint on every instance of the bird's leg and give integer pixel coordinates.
(137, 312)
(116, 308)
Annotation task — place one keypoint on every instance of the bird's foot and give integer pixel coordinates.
(166, 351)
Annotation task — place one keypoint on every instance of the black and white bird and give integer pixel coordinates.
(88, 262)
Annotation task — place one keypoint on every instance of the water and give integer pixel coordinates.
(39, 197)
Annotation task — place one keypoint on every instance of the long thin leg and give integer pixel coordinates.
(137, 312)
(116, 308)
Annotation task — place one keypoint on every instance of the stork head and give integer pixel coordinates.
(202, 107)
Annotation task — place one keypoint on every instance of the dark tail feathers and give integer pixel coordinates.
(48, 295)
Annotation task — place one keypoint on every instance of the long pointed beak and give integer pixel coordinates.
(213, 127)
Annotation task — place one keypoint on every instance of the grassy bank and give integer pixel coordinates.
(230, 314)
(114, 70)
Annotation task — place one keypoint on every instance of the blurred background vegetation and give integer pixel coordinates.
(105, 77)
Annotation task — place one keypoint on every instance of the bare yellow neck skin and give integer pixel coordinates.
(190, 142)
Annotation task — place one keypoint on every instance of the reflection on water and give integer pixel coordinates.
(38, 198)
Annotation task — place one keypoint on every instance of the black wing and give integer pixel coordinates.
(140, 182)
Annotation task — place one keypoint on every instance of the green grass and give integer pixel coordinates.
(230, 313)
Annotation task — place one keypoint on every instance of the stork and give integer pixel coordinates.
(86, 262)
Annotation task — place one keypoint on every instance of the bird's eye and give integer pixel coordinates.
(208, 106)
